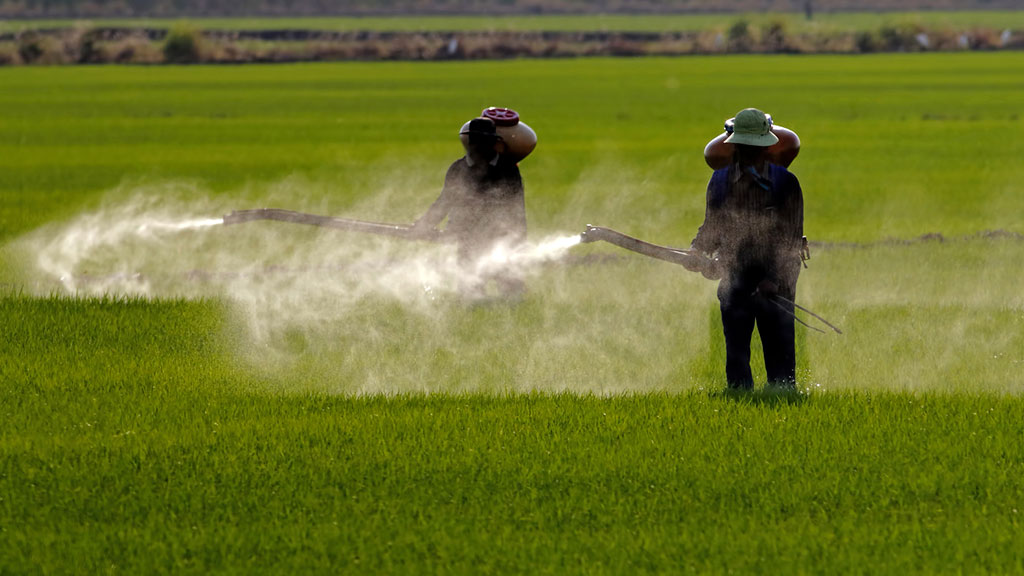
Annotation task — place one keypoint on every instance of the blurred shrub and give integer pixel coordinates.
(182, 45)
(89, 47)
(984, 39)
(30, 47)
(775, 38)
(34, 48)
(867, 42)
(1015, 41)
(900, 37)
(946, 39)
(9, 54)
(132, 50)
(739, 37)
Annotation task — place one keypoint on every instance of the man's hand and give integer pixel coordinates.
(706, 266)
(693, 263)
(711, 270)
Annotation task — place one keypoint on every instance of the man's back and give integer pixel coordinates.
(486, 202)
(754, 221)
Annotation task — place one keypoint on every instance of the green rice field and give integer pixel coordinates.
(180, 396)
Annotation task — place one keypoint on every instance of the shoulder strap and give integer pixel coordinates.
(718, 188)
(780, 176)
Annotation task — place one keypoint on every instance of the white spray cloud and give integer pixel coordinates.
(167, 241)
(355, 313)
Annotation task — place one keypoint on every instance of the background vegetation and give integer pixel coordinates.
(290, 40)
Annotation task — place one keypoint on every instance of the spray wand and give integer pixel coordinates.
(596, 233)
(689, 259)
(382, 229)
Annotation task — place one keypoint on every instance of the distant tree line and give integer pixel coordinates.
(182, 44)
(237, 8)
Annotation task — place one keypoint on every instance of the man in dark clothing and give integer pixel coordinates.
(753, 226)
(484, 202)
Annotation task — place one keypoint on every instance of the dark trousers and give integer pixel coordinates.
(774, 319)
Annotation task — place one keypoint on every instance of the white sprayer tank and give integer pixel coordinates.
(519, 139)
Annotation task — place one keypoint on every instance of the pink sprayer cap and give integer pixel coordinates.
(501, 116)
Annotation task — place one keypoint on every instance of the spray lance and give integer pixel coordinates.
(689, 259)
(692, 260)
(378, 228)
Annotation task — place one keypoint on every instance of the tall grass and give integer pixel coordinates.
(216, 481)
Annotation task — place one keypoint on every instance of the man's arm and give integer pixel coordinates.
(794, 213)
(519, 209)
(440, 208)
(792, 242)
(709, 235)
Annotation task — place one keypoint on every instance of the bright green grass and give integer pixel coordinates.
(139, 452)
(161, 435)
(662, 22)
(893, 145)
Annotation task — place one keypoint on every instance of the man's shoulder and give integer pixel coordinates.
(718, 186)
(457, 170)
(782, 175)
(722, 174)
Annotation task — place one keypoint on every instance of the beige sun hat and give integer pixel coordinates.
(751, 127)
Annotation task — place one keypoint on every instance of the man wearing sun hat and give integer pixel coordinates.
(484, 203)
(753, 226)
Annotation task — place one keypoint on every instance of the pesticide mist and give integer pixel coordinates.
(296, 291)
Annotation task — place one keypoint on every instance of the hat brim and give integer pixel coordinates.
(478, 133)
(752, 139)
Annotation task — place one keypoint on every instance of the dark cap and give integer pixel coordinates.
(481, 127)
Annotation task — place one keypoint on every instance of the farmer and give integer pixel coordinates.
(753, 225)
(484, 203)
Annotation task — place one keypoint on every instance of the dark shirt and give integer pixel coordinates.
(754, 224)
(484, 203)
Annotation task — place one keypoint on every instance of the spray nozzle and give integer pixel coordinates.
(592, 234)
